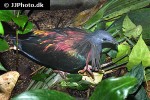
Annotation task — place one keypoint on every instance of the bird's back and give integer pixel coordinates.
(54, 48)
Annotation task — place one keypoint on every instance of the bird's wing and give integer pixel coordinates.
(59, 39)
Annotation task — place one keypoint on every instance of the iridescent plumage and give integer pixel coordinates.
(65, 49)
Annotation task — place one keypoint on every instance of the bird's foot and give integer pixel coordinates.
(87, 71)
(62, 74)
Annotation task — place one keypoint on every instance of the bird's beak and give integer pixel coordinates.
(114, 42)
(111, 44)
(115, 45)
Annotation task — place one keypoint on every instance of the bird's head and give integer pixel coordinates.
(104, 39)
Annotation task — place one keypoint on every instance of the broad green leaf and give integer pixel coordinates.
(81, 85)
(134, 32)
(138, 17)
(112, 53)
(137, 72)
(113, 9)
(1, 29)
(114, 88)
(123, 6)
(74, 78)
(128, 24)
(141, 17)
(3, 45)
(40, 77)
(6, 15)
(41, 94)
(140, 53)
(2, 68)
(27, 29)
(20, 20)
(123, 49)
(74, 81)
(141, 94)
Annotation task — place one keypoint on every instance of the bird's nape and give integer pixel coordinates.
(90, 51)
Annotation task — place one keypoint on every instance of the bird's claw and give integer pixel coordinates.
(87, 71)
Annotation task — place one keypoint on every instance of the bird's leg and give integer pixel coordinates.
(88, 68)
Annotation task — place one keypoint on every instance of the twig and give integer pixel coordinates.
(115, 66)
(37, 70)
(111, 63)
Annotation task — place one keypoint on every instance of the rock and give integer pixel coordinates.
(7, 83)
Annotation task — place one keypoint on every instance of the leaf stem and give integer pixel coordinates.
(17, 58)
(130, 42)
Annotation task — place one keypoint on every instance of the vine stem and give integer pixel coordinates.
(17, 57)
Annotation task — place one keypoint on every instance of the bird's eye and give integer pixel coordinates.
(104, 39)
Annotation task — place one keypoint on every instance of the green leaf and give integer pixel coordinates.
(3, 45)
(141, 17)
(74, 78)
(1, 29)
(40, 77)
(140, 53)
(130, 29)
(41, 94)
(137, 72)
(2, 68)
(123, 6)
(81, 85)
(134, 32)
(113, 9)
(20, 20)
(123, 49)
(138, 17)
(141, 94)
(112, 53)
(98, 16)
(74, 81)
(6, 15)
(103, 58)
(27, 29)
(128, 24)
(117, 25)
(116, 88)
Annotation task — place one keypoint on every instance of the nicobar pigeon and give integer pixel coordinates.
(66, 49)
